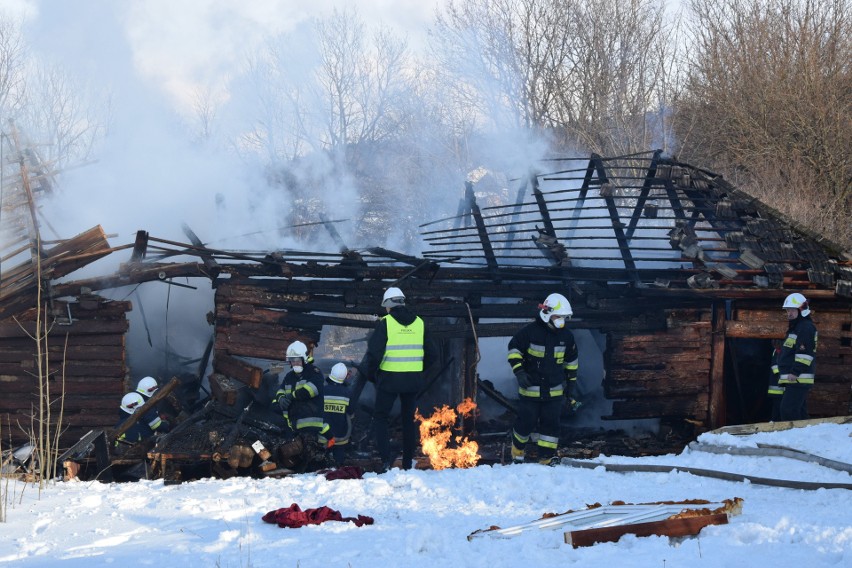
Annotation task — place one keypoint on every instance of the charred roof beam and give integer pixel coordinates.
(595, 167)
(617, 225)
(643, 193)
(210, 264)
(481, 230)
(546, 240)
(519, 200)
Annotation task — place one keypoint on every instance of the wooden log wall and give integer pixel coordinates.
(663, 373)
(86, 361)
(831, 394)
(252, 322)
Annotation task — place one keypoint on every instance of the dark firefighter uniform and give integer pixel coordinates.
(300, 398)
(153, 419)
(338, 417)
(797, 366)
(775, 391)
(398, 352)
(545, 360)
(136, 433)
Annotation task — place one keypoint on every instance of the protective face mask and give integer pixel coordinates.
(297, 369)
(558, 323)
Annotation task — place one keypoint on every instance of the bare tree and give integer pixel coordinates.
(12, 63)
(61, 113)
(51, 107)
(503, 59)
(768, 101)
(332, 91)
(274, 88)
(589, 71)
(204, 110)
(620, 59)
(360, 81)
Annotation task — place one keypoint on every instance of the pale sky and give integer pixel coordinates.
(190, 45)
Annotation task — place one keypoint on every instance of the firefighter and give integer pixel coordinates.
(796, 361)
(544, 359)
(147, 386)
(775, 391)
(337, 413)
(398, 353)
(300, 396)
(130, 403)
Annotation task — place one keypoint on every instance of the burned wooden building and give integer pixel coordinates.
(680, 275)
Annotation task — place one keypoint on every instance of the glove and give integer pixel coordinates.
(524, 379)
(284, 403)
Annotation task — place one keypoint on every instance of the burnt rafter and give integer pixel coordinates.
(617, 226)
(652, 223)
(643, 193)
(481, 231)
(546, 240)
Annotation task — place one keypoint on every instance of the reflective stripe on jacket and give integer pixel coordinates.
(549, 356)
(774, 388)
(337, 411)
(798, 353)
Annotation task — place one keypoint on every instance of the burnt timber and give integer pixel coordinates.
(677, 269)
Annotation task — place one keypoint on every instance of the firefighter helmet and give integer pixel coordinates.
(338, 373)
(147, 386)
(799, 302)
(297, 349)
(131, 402)
(393, 297)
(555, 305)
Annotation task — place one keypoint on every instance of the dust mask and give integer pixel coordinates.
(558, 323)
(297, 369)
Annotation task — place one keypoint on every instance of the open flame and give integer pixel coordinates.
(436, 435)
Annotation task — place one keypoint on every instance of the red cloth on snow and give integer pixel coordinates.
(344, 472)
(294, 517)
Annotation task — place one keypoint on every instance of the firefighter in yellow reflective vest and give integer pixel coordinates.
(300, 396)
(797, 360)
(544, 359)
(398, 352)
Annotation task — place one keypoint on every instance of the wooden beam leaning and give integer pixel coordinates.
(161, 393)
(210, 263)
(140, 247)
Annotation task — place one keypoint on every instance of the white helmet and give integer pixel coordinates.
(799, 302)
(338, 373)
(393, 297)
(147, 386)
(297, 349)
(131, 402)
(555, 304)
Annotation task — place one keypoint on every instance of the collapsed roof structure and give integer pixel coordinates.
(680, 273)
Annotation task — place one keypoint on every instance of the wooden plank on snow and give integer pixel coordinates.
(688, 526)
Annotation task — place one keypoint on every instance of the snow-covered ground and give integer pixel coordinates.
(423, 518)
